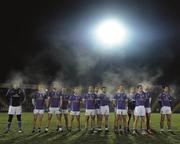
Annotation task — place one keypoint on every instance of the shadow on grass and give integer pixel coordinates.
(84, 137)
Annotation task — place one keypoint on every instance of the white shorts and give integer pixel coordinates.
(139, 111)
(166, 110)
(64, 111)
(104, 110)
(148, 110)
(90, 112)
(54, 110)
(38, 111)
(15, 110)
(75, 113)
(97, 111)
(121, 111)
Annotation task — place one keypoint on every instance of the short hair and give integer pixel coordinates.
(164, 86)
(138, 86)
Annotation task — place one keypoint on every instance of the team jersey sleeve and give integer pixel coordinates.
(23, 95)
(8, 95)
(134, 98)
(150, 98)
(170, 98)
(114, 97)
(125, 97)
(159, 100)
(70, 98)
(159, 97)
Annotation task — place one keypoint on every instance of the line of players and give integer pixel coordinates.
(96, 102)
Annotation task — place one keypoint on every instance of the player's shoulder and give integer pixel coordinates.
(10, 90)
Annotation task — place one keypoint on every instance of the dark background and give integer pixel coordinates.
(45, 40)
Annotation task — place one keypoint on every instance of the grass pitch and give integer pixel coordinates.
(82, 137)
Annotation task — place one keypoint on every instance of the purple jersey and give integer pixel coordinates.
(65, 99)
(165, 99)
(75, 102)
(121, 99)
(147, 99)
(139, 99)
(39, 99)
(104, 99)
(54, 98)
(89, 99)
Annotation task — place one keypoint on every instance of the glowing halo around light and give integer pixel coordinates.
(111, 33)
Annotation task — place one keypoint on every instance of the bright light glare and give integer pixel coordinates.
(111, 33)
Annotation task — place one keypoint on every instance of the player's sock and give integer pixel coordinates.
(161, 125)
(78, 128)
(125, 130)
(10, 117)
(70, 129)
(119, 126)
(19, 125)
(33, 130)
(8, 127)
(39, 130)
(115, 128)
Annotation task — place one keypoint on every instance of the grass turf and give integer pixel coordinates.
(83, 137)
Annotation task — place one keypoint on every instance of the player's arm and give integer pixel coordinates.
(83, 98)
(61, 101)
(126, 101)
(8, 95)
(70, 99)
(114, 101)
(150, 98)
(170, 100)
(33, 95)
(33, 101)
(160, 101)
(23, 96)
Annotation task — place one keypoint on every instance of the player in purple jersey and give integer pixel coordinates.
(38, 101)
(53, 99)
(104, 109)
(131, 106)
(64, 105)
(89, 101)
(139, 99)
(75, 101)
(15, 97)
(120, 102)
(148, 107)
(165, 104)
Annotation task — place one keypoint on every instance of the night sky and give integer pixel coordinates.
(48, 39)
